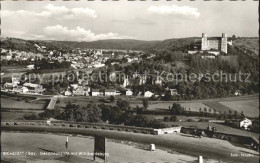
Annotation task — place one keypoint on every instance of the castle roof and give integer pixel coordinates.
(214, 38)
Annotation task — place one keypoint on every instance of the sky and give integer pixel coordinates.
(141, 20)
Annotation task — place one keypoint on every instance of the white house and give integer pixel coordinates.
(158, 81)
(30, 67)
(237, 93)
(129, 93)
(95, 92)
(126, 82)
(68, 93)
(110, 92)
(174, 92)
(16, 79)
(8, 86)
(32, 88)
(148, 94)
(244, 123)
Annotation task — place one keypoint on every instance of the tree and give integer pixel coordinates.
(210, 110)
(242, 114)
(112, 99)
(123, 104)
(166, 119)
(176, 109)
(145, 103)
(205, 110)
(235, 115)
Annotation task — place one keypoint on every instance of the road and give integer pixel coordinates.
(209, 148)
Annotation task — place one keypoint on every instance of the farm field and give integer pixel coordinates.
(249, 107)
(10, 102)
(12, 116)
(194, 106)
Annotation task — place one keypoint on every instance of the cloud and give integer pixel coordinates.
(184, 11)
(59, 32)
(137, 20)
(52, 11)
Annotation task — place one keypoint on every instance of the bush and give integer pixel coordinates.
(166, 119)
(173, 118)
(30, 117)
(190, 120)
(203, 120)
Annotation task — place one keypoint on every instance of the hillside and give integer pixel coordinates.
(250, 44)
(125, 44)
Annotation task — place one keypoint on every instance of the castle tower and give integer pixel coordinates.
(224, 43)
(204, 42)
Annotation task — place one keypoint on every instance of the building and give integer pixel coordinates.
(216, 43)
(30, 67)
(158, 81)
(8, 86)
(126, 82)
(95, 92)
(148, 94)
(32, 88)
(16, 79)
(173, 92)
(129, 93)
(68, 93)
(80, 91)
(245, 123)
(110, 92)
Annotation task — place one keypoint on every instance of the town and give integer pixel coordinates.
(129, 82)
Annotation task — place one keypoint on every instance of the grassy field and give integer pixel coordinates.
(218, 106)
(12, 116)
(11, 102)
(248, 43)
(249, 107)
(14, 108)
(194, 106)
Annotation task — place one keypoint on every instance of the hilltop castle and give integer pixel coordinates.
(214, 43)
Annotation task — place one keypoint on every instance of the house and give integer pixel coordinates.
(81, 91)
(245, 123)
(8, 86)
(30, 67)
(174, 92)
(129, 93)
(68, 93)
(110, 92)
(32, 88)
(126, 82)
(237, 93)
(158, 81)
(148, 94)
(74, 86)
(16, 79)
(95, 92)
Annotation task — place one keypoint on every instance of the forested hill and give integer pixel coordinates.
(122, 44)
(126, 44)
(247, 44)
